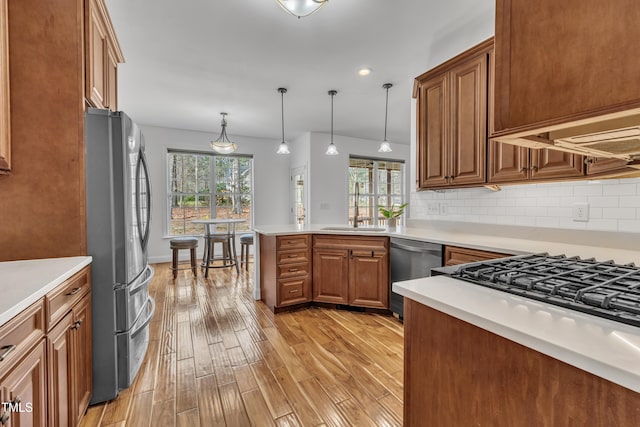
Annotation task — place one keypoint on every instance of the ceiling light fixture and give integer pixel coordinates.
(283, 148)
(332, 150)
(301, 8)
(364, 71)
(385, 147)
(223, 145)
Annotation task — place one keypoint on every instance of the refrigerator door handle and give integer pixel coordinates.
(147, 320)
(144, 233)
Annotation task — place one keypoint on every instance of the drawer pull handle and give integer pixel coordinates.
(291, 270)
(293, 292)
(292, 256)
(6, 350)
(73, 292)
(4, 418)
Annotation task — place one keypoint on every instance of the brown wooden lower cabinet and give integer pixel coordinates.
(46, 377)
(351, 270)
(457, 374)
(454, 255)
(23, 390)
(69, 365)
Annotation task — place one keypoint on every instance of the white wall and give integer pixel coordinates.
(270, 178)
(329, 175)
(614, 205)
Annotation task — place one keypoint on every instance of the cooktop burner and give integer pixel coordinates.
(604, 289)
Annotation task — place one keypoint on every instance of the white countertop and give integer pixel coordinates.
(518, 242)
(24, 282)
(606, 348)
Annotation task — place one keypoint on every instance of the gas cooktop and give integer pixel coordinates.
(604, 289)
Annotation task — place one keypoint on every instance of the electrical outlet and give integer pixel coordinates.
(581, 212)
(433, 208)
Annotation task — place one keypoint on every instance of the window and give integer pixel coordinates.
(381, 183)
(204, 186)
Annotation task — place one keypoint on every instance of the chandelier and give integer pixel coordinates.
(301, 8)
(223, 145)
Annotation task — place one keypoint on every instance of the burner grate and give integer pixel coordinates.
(604, 289)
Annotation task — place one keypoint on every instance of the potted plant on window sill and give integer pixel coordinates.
(392, 214)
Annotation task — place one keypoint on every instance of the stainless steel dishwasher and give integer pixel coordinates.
(411, 259)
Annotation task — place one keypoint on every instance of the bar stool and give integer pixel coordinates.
(246, 240)
(178, 243)
(227, 238)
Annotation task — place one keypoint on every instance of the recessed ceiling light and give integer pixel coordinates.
(364, 71)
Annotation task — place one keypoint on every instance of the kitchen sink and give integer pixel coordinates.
(347, 228)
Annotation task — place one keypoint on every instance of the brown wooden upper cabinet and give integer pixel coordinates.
(558, 62)
(102, 56)
(452, 120)
(5, 118)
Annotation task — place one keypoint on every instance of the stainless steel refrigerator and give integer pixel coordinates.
(118, 219)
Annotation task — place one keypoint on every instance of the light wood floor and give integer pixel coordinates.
(217, 357)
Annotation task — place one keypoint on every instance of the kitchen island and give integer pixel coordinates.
(478, 356)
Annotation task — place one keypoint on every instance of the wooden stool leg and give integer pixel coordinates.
(193, 262)
(174, 263)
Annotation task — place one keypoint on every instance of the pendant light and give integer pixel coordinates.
(301, 8)
(223, 145)
(385, 147)
(332, 150)
(283, 148)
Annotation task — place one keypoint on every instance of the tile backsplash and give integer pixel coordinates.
(614, 205)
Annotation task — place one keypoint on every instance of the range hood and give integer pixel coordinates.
(617, 138)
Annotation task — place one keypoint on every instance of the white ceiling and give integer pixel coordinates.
(186, 61)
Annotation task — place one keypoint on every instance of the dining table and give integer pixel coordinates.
(219, 230)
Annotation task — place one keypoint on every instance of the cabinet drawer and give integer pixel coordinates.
(59, 301)
(291, 270)
(454, 255)
(294, 291)
(19, 334)
(292, 242)
(292, 257)
(360, 243)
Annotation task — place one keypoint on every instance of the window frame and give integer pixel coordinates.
(212, 193)
(374, 184)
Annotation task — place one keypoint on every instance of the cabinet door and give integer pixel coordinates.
(81, 358)
(24, 388)
(96, 55)
(433, 117)
(565, 71)
(111, 80)
(507, 162)
(548, 164)
(60, 347)
(369, 279)
(5, 122)
(597, 165)
(330, 276)
(468, 139)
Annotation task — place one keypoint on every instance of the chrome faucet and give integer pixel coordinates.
(356, 212)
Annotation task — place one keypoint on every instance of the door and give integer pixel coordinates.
(60, 347)
(547, 163)
(131, 178)
(433, 117)
(299, 196)
(368, 279)
(467, 149)
(507, 162)
(81, 360)
(330, 275)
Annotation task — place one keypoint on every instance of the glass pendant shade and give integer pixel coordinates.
(283, 148)
(301, 8)
(223, 145)
(332, 150)
(385, 147)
